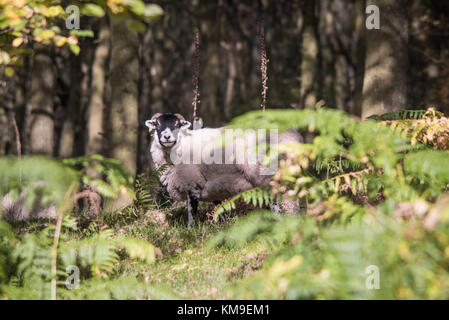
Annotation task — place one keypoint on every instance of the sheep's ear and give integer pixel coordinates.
(185, 124)
(151, 124)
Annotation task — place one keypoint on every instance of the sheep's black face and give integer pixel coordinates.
(167, 127)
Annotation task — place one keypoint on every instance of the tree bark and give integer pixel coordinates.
(230, 81)
(309, 64)
(5, 132)
(124, 75)
(145, 111)
(360, 30)
(95, 108)
(386, 64)
(67, 138)
(40, 121)
(210, 70)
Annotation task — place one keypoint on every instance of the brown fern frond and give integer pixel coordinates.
(432, 129)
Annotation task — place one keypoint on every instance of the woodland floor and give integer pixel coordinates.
(188, 267)
(185, 266)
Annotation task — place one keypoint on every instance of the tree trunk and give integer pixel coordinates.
(143, 154)
(210, 70)
(386, 64)
(40, 123)
(95, 108)
(6, 109)
(124, 75)
(67, 138)
(360, 30)
(230, 81)
(326, 29)
(5, 132)
(309, 64)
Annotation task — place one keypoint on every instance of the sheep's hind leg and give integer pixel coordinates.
(192, 208)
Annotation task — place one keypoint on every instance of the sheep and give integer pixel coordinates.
(191, 175)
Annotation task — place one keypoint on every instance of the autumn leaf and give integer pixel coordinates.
(17, 42)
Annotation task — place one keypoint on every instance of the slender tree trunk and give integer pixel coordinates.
(79, 147)
(326, 22)
(3, 131)
(6, 108)
(95, 108)
(67, 138)
(360, 30)
(210, 70)
(230, 81)
(124, 75)
(386, 64)
(157, 71)
(309, 64)
(40, 123)
(143, 154)
(6, 134)
(341, 82)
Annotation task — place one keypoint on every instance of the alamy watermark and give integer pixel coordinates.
(73, 20)
(232, 146)
(373, 279)
(73, 280)
(373, 20)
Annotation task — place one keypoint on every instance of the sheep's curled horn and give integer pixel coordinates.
(149, 123)
(157, 115)
(177, 115)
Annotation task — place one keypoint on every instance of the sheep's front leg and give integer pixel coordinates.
(192, 207)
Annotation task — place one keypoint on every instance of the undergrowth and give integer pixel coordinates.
(375, 225)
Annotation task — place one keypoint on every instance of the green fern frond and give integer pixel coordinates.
(336, 166)
(258, 197)
(405, 114)
(428, 171)
(113, 176)
(42, 180)
(99, 253)
(25, 261)
(355, 181)
(256, 223)
(144, 185)
(138, 249)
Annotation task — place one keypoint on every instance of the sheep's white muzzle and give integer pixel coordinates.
(168, 143)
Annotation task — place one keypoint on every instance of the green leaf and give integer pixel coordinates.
(82, 33)
(153, 12)
(9, 72)
(94, 10)
(37, 32)
(138, 7)
(75, 49)
(21, 25)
